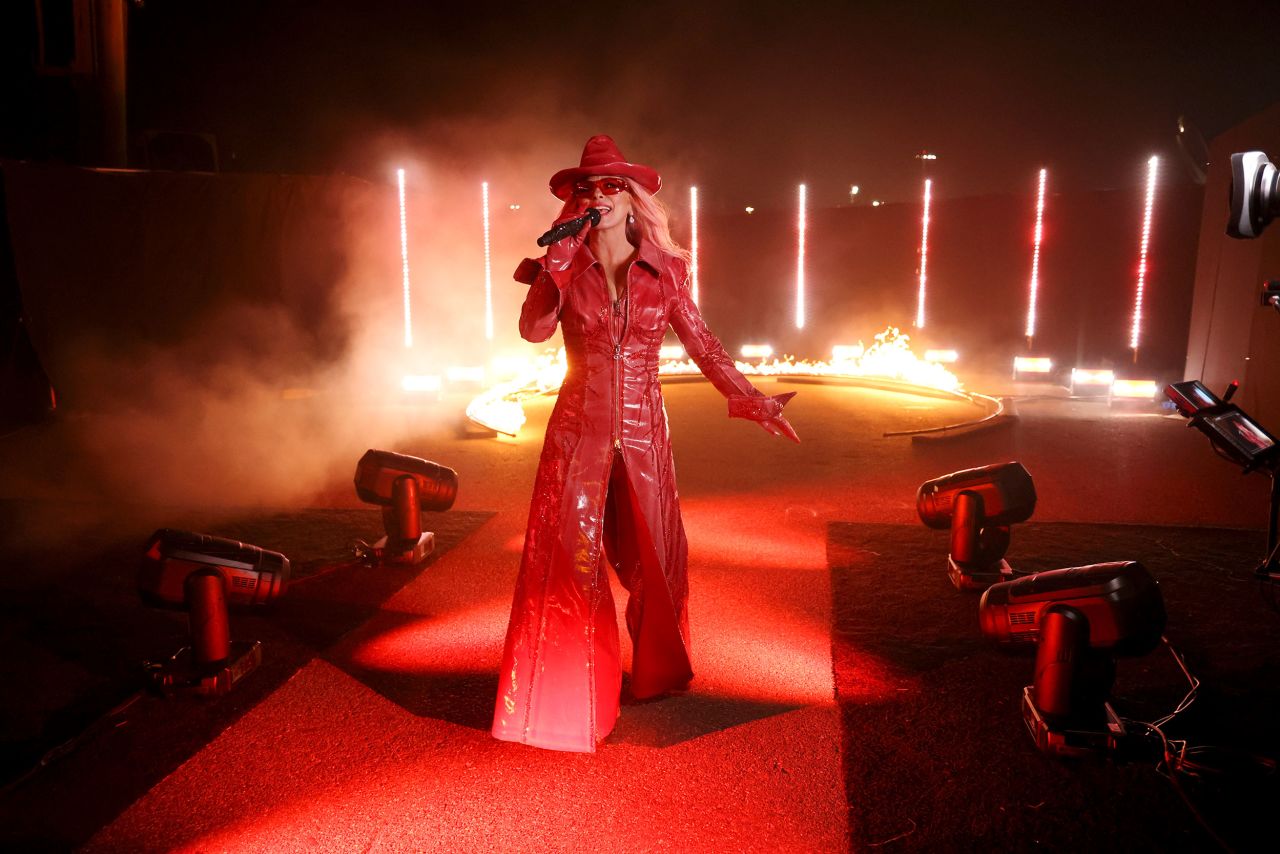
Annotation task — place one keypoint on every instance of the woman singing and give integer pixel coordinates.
(605, 486)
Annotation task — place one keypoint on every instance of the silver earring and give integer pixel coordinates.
(631, 219)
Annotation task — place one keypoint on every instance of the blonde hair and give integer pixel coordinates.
(651, 221)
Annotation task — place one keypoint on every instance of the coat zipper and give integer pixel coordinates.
(617, 362)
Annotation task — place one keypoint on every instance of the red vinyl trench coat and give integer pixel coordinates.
(605, 486)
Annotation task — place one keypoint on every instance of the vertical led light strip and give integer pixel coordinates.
(924, 254)
(1035, 259)
(488, 269)
(1152, 166)
(800, 223)
(404, 261)
(693, 240)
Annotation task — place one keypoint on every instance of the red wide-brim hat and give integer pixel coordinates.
(601, 156)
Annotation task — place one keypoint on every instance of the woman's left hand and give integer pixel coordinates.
(764, 410)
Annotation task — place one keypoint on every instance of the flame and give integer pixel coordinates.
(498, 408)
(889, 357)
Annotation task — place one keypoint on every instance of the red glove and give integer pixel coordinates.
(560, 254)
(765, 411)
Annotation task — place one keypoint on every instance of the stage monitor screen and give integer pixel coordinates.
(1239, 432)
(1191, 397)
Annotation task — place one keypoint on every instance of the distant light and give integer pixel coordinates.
(749, 209)
(942, 356)
(508, 365)
(854, 190)
(756, 351)
(404, 260)
(847, 352)
(926, 155)
(1032, 365)
(488, 267)
(693, 240)
(513, 207)
(420, 382)
(1091, 376)
(924, 255)
(1135, 389)
(875, 203)
(1152, 166)
(800, 223)
(1035, 257)
(464, 373)
(670, 353)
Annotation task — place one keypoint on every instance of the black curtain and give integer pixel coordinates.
(26, 395)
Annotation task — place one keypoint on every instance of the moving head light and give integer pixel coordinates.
(978, 505)
(404, 487)
(1255, 194)
(251, 575)
(1081, 619)
(1120, 601)
(204, 574)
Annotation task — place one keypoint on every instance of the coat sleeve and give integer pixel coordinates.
(541, 310)
(703, 346)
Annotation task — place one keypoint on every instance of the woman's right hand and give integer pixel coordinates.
(560, 254)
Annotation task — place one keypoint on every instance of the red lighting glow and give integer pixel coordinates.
(924, 254)
(800, 224)
(693, 241)
(1134, 335)
(404, 260)
(488, 269)
(1035, 258)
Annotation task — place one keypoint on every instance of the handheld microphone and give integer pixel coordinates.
(570, 227)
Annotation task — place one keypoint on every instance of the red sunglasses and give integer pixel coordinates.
(607, 186)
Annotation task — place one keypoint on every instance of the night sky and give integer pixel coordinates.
(749, 98)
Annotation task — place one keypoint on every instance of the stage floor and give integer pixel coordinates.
(372, 732)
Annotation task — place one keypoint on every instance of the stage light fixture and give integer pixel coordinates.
(1035, 258)
(756, 351)
(1255, 194)
(404, 487)
(800, 232)
(488, 267)
(1080, 619)
(1135, 389)
(924, 254)
(1091, 378)
(1135, 332)
(252, 575)
(979, 505)
(404, 260)
(204, 574)
(1032, 367)
(693, 242)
